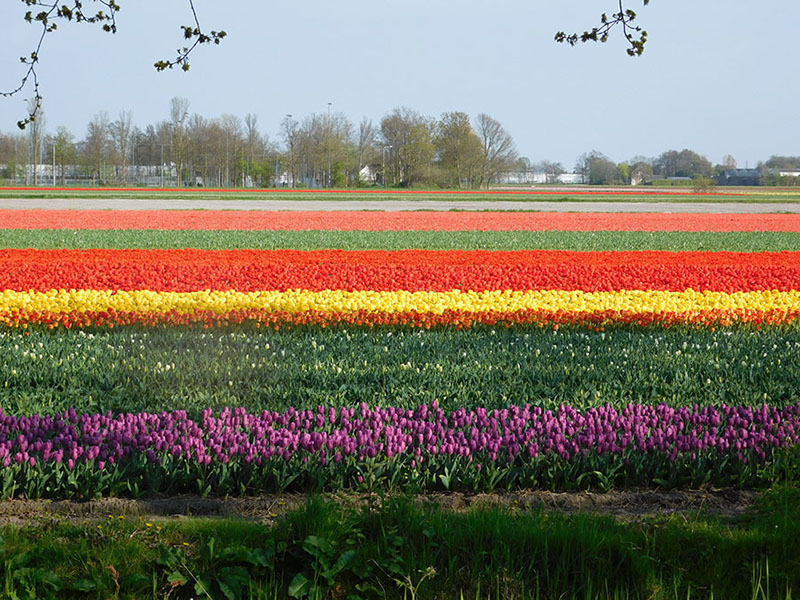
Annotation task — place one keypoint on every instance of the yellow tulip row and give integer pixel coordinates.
(295, 301)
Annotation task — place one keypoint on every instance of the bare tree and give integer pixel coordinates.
(366, 150)
(499, 152)
(255, 145)
(551, 170)
(96, 147)
(178, 117)
(289, 132)
(120, 136)
(233, 138)
(35, 139)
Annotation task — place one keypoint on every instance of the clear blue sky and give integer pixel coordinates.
(718, 76)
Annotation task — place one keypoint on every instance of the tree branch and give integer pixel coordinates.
(52, 12)
(190, 33)
(634, 35)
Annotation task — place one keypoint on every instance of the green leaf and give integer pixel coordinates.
(316, 546)
(299, 587)
(84, 585)
(228, 586)
(203, 587)
(175, 578)
(344, 561)
(135, 580)
(47, 577)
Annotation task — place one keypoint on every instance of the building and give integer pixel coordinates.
(739, 177)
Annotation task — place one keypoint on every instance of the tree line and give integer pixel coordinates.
(320, 150)
(672, 166)
(405, 148)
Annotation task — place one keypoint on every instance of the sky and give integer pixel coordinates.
(717, 76)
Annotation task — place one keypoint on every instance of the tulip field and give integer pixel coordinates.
(363, 366)
(231, 352)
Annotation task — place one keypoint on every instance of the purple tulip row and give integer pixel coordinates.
(331, 434)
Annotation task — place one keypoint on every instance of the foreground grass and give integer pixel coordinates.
(748, 241)
(405, 550)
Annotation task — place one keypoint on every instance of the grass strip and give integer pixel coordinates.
(400, 240)
(155, 369)
(402, 549)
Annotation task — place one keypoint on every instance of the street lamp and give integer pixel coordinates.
(384, 164)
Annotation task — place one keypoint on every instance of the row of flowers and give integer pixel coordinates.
(410, 270)
(359, 437)
(365, 432)
(341, 301)
(392, 221)
(459, 319)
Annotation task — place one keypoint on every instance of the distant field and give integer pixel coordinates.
(574, 194)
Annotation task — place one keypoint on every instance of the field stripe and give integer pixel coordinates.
(392, 221)
(380, 191)
(401, 240)
(340, 301)
(411, 270)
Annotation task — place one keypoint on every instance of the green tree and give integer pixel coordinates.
(683, 163)
(783, 163)
(641, 172)
(13, 153)
(458, 149)
(597, 169)
(624, 172)
(410, 136)
(65, 152)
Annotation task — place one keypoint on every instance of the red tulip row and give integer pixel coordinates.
(598, 320)
(412, 270)
(392, 221)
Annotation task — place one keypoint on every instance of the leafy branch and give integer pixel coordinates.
(634, 34)
(190, 33)
(51, 12)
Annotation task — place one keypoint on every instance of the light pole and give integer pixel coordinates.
(289, 144)
(329, 144)
(384, 164)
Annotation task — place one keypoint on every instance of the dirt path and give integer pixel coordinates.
(625, 505)
(397, 205)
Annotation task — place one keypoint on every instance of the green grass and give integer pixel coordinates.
(129, 369)
(751, 241)
(406, 550)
